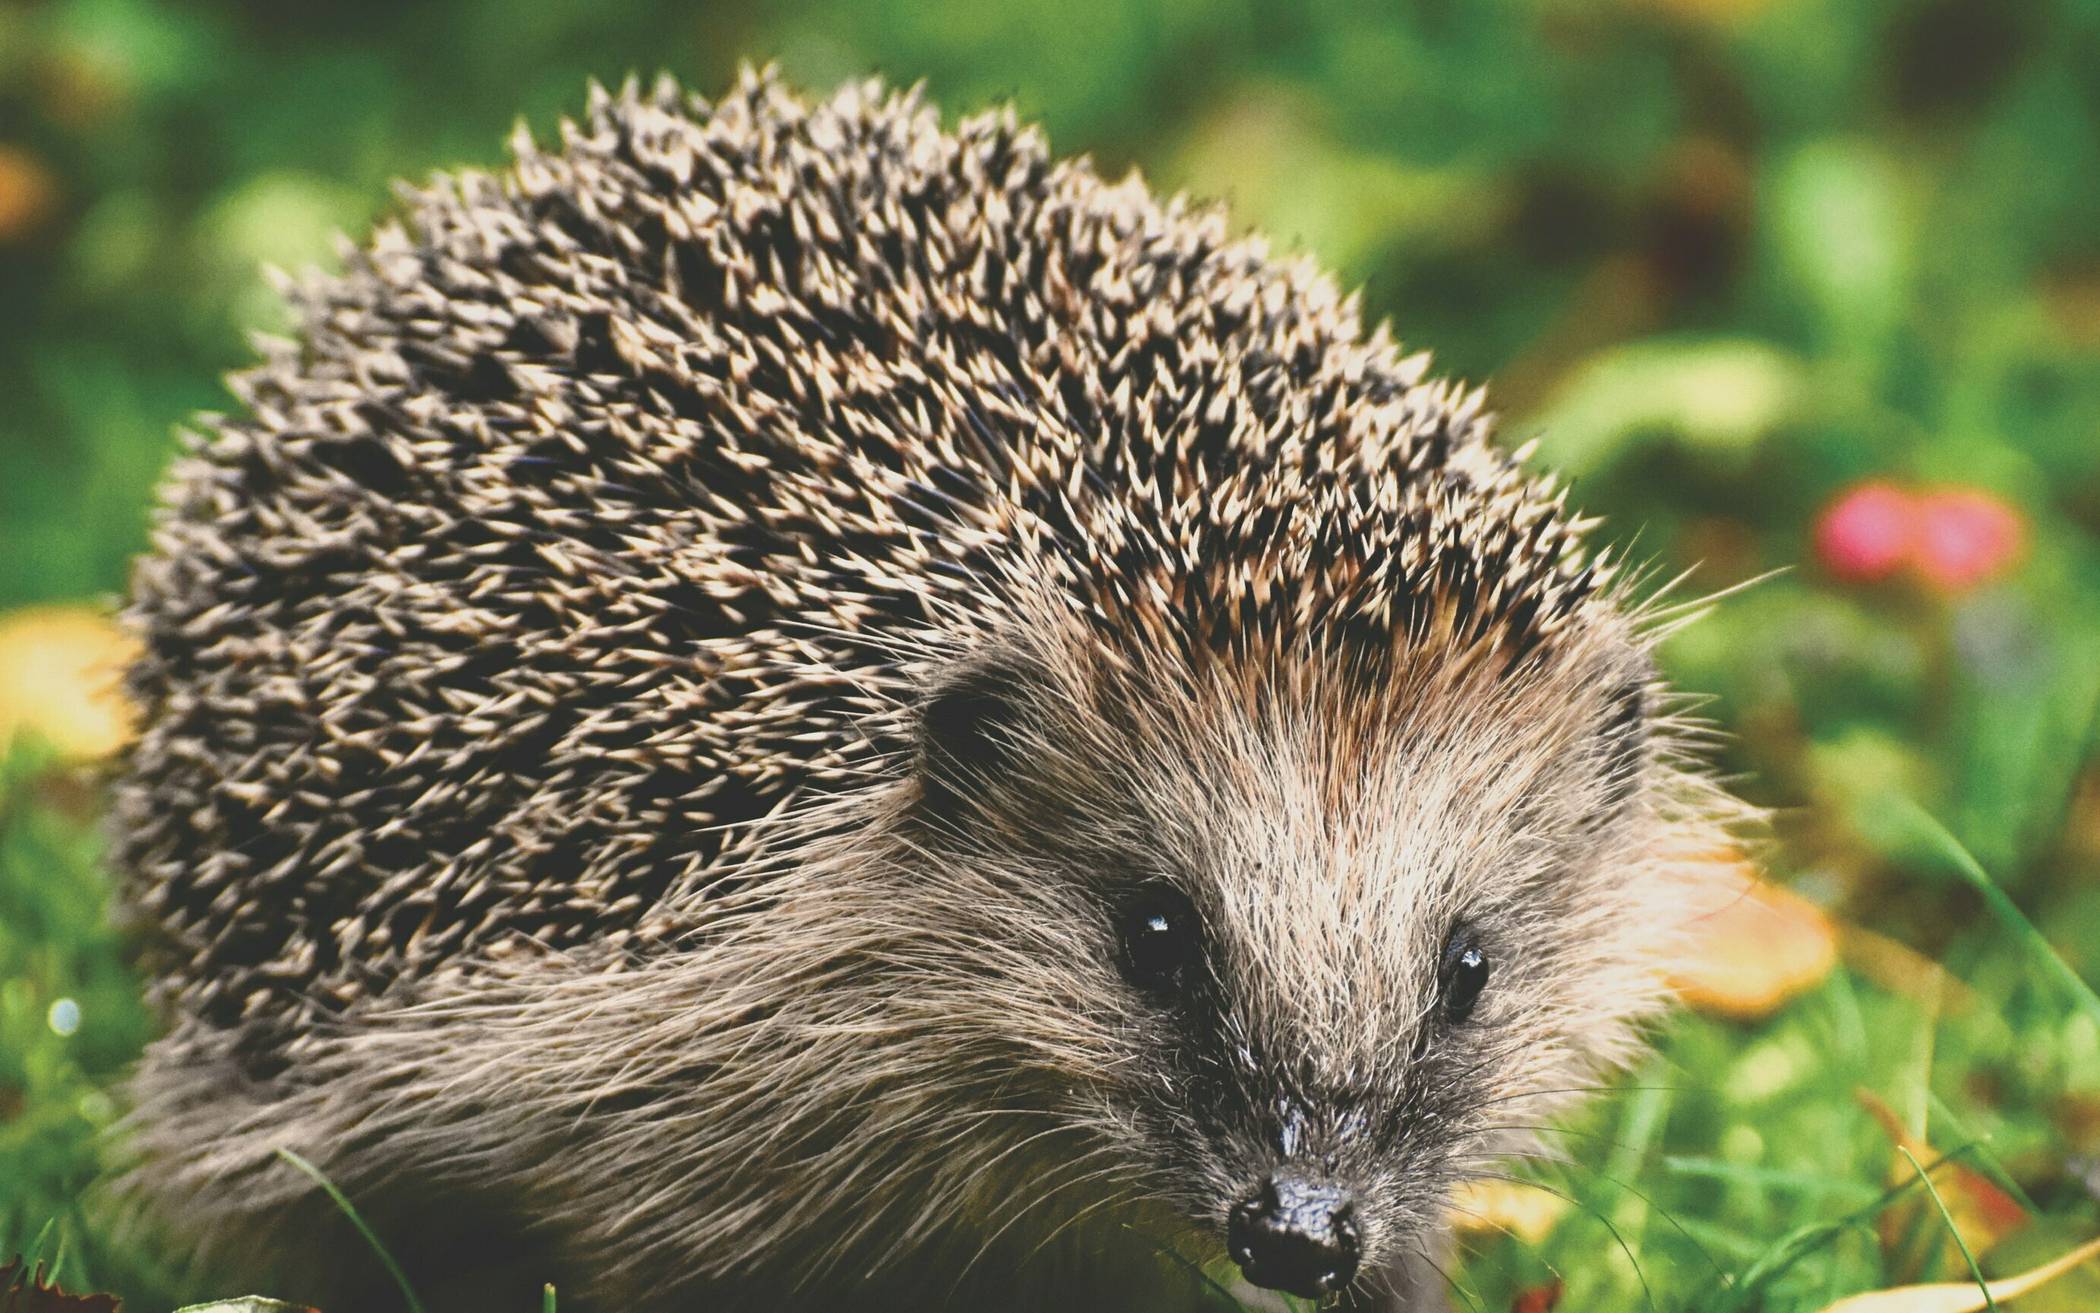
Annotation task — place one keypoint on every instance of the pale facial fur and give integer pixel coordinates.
(1331, 834)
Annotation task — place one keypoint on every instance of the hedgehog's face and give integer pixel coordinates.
(1334, 945)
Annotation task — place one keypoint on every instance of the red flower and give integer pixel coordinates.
(1866, 535)
(1952, 539)
(1964, 538)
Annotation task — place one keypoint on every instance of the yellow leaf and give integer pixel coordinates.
(61, 677)
(1525, 1211)
(1754, 946)
(1969, 1298)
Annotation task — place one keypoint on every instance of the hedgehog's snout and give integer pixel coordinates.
(1295, 1234)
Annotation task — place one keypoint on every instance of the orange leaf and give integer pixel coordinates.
(1951, 1297)
(1982, 1211)
(1754, 946)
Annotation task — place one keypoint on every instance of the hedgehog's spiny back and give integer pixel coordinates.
(524, 594)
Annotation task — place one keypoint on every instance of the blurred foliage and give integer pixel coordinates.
(1726, 259)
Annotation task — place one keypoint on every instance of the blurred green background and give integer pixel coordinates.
(1730, 260)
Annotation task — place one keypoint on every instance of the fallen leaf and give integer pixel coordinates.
(1754, 946)
(1527, 1212)
(2076, 1291)
(61, 672)
(1952, 1297)
(24, 1291)
(1982, 1211)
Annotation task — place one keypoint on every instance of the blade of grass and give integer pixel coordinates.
(2002, 906)
(1768, 1177)
(80, 1228)
(349, 1210)
(36, 1246)
(1989, 1301)
(547, 1298)
(1722, 1240)
(1799, 1243)
(1987, 1161)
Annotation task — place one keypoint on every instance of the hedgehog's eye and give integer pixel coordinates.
(1161, 939)
(1462, 974)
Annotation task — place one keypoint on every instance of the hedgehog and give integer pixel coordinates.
(780, 706)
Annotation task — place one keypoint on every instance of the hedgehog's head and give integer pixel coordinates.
(1306, 934)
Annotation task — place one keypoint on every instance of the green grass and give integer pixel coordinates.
(380, 1253)
(58, 956)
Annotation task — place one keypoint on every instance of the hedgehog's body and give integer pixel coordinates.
(780, 699)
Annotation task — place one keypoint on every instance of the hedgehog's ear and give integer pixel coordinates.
(969, 723)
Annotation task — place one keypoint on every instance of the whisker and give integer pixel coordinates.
(1647, 1293)
(1181, 1260)
(1118, 1198)
(1606, 1141)
(1472, 1299)
(1505, 1229)
(1590, 1089)
(1052, 1184)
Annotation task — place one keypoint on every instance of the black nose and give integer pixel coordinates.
(1296, 1236)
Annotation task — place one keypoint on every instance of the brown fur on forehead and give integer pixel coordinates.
(1351, 692)
(1336, 821)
